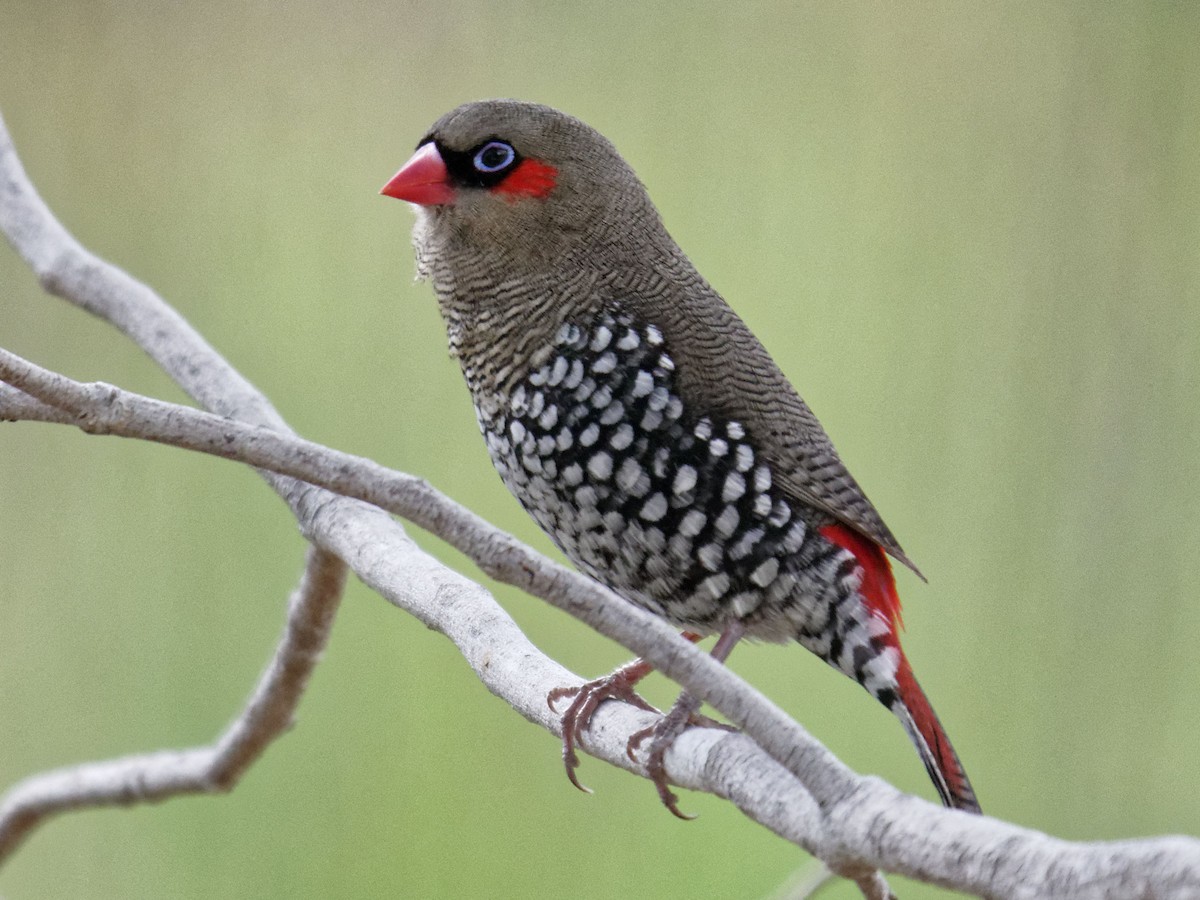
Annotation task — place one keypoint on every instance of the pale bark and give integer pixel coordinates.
(774, 770)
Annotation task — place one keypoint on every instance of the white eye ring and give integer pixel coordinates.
(494, 156)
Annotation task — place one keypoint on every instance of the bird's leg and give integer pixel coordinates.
(684, 713)
(618, 685)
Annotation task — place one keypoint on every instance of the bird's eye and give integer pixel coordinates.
(493, 157)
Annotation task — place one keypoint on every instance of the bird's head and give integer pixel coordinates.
(522, 182)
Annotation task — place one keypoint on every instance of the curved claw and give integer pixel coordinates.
(695, 720)
(619, 686)
(663, 734)
(636, 740)
(570, 758)
(657, 771)
(588, 697)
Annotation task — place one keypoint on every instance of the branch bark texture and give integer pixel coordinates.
(774, 771)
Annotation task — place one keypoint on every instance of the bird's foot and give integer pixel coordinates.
(662, 734)
(587, 698)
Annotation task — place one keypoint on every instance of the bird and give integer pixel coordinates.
(642, 425)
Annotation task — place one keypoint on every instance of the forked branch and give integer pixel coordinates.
(774, 771)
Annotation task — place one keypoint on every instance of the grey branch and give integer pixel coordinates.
(376, 547)
(774, 771)
(156, 776)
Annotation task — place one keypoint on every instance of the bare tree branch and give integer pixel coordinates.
(17, 406)
(65, 268)
(855, 824)
(103, 409)
(156, 776)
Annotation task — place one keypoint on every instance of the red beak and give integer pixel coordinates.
(423, 179)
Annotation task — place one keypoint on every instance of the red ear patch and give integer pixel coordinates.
(531, 178)
(878, 584)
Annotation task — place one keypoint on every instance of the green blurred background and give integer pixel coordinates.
(969, 232)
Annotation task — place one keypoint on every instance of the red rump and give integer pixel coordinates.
(878, 588)
(878, 585)
(531, 178)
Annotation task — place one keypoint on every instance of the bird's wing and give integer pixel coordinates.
(724, 370)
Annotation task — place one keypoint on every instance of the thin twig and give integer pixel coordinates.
(67, 269)
(216, 768)
(855, 824)
(869, 813)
